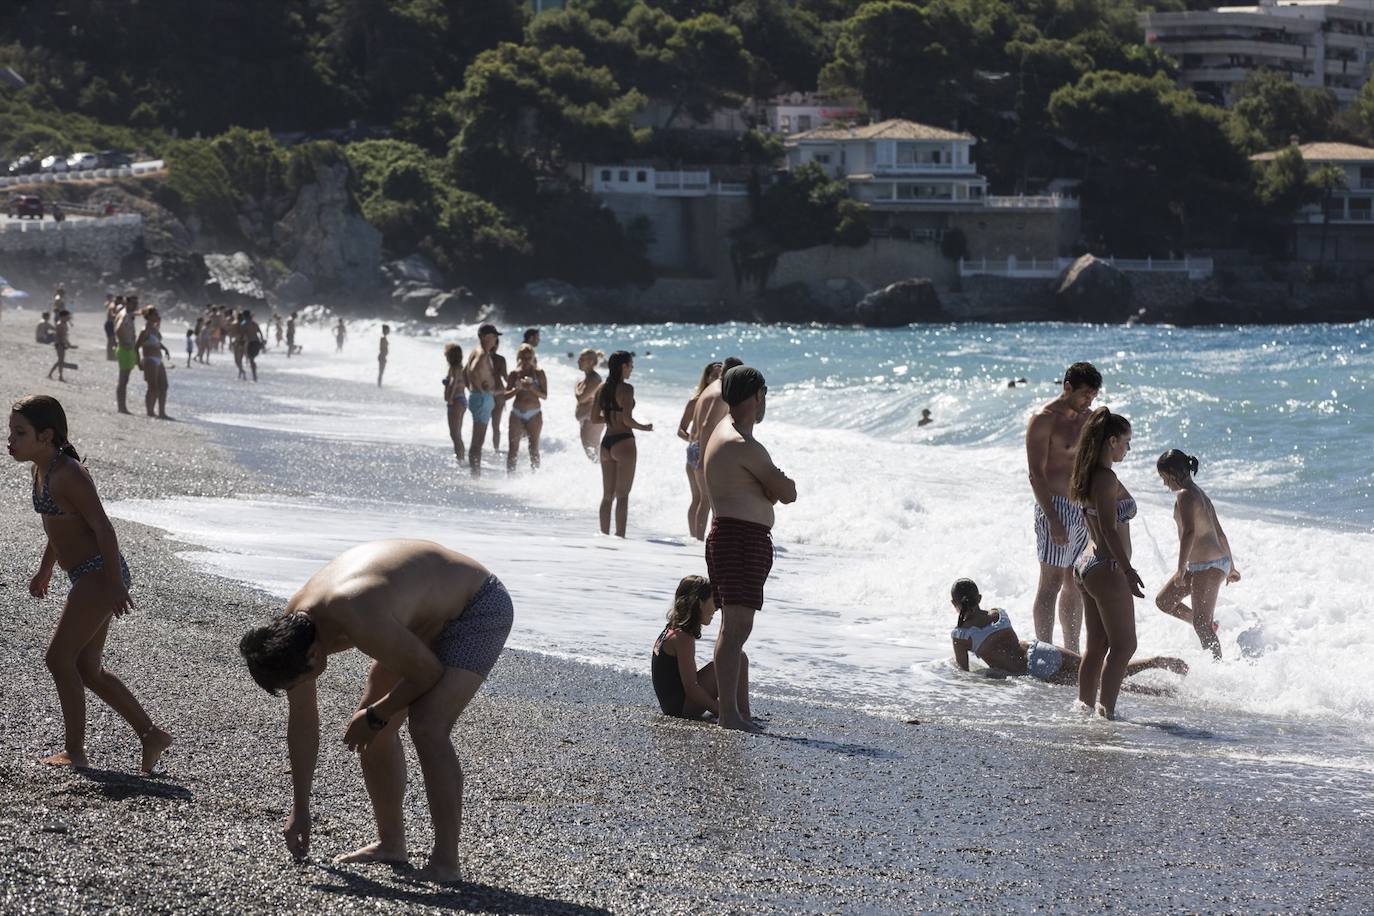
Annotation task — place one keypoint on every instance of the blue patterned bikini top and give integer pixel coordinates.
(43, 503)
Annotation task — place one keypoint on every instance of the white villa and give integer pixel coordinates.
(1345, 231)
(1317, 43)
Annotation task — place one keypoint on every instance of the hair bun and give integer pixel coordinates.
(1192, 463)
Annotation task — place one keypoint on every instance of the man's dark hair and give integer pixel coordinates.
(1083, 375)
(278, 653)
(531, 332)
(729, 363)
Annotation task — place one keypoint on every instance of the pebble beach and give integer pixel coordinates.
(580, 797)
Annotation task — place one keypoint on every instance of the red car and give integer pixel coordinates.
(22, 205)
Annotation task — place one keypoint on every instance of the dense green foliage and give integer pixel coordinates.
(488, 108)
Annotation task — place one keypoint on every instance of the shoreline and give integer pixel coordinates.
(580, 796)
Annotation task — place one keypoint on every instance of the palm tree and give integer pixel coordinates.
(1327, 179)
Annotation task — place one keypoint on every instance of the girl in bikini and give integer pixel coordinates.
(614, 405)
(455, 396)
(528, 385)
(988, 634)
(151, 350)
(683, 690)
(686, 432)
(1104, 574)
(82, 541)
(1204, 554)
(585, 393)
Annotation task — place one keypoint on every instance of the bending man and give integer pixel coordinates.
(434, 622)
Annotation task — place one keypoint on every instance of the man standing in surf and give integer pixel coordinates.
(744, 485)
(1060, 533)
(434, 622)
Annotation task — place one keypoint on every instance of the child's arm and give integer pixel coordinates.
(1234, 575)
(961, 647)
(686, 648)
(1185, 509)
(38, 585)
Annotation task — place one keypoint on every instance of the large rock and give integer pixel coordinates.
(1090, 289)
(324, 237)
(904, 302)
(457, 307)
(233, 278)
(416, 270)
(294, 289)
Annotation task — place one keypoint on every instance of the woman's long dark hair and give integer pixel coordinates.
(685, 613)
(44, 412)
(1101, 426)
(965, 595)
(615, 374)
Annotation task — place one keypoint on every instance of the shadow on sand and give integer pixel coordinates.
(837, 747)
(117, 786)
(464, 896)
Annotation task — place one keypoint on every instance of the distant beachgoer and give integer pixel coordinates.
(44, 332)
(59, 296)
(277, 327)
(1108, 582)
(434, 622)
(1204, 553)
(482, 383)
(340, 334)
(498, 364)
(238, 343)
(925, 418)
(710, 410)
(203, 340)
(528, 385)
(61, 343)
(1060, 535)
(151, 350)
(190, 345)
(585, 392)
(455, 396)
(291, 336)
(696, 519)
(253, 340)
(989, 635)
(614, 406)
(109, 327)
(744, 485)
(82, 541)
(532, 337)
(126, 351)
(383, 348)
(683, 690)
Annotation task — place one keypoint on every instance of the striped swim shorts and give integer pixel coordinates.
(1061, 555)
(739, 556)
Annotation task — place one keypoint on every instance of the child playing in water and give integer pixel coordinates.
(683, 691)
(82, 541)
(1204, 554)
(190, 345)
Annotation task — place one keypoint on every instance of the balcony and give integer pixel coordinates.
(921, 168)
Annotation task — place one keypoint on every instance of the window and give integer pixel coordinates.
(641, 176)
(624, 174)
(1360, 209)
(803, 122)
(822, 158)
(605, 174)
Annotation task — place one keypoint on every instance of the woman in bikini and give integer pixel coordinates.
(683, 690)
(585, 392)
(82, 541)
(988, 634)
(686, 431)
(151, 350)
(528, 385)
(614, 405)
(455, 396)
(1204, 553)
(1104, 574)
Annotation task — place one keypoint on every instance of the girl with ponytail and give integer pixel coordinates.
(1105, 577)
(1204, 553)
(82, 541)
(614, 405)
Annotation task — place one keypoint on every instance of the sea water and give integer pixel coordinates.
(888, 513)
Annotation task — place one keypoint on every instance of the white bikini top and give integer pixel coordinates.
(979, 635)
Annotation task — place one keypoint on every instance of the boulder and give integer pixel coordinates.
(457, 307)
(233, 277)
(555, 300)
(1090, 289)
(415, 293)
(904, 302)
(324, 237)
(294, 289)
(416, 270)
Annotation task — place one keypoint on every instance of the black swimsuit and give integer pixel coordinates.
(672, 696)
(611, 440)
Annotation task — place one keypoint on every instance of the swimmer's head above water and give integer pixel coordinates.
(283, 653)
(693, 606)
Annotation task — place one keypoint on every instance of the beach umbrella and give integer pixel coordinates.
(9, 292)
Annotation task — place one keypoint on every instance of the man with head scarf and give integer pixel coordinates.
(744, 485)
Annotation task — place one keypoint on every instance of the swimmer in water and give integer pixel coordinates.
(988, 634)
(1204, 554)
(925, 418)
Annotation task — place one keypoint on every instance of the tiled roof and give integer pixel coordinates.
(1325, 152)
(891, 129)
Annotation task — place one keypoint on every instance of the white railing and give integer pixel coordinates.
(151, 167)
(682, 182)
(82, 224)
(732, 188)
(1047, 268)
(916, 168)
(1034, 202)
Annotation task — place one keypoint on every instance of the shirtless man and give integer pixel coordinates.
(434, 622)
(1060, 534)
(710, 410)
(482, 385)
(744, 485)
(498, 363)
(126, 356)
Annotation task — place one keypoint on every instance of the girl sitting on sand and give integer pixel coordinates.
(82, 541)
(1204, 554)
(683, 690)
(989, 635)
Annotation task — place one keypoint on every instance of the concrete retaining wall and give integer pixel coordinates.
(103, 243)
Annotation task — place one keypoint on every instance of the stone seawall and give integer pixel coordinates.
(102, 243)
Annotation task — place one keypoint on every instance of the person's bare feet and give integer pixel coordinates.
(67, 759)
(155, 743)
(743, 725)
(437, 873)
(372, 852)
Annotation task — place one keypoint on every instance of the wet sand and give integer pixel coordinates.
(580, 797)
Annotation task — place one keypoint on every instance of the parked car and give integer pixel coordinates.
(24, 165)
(79, 162)
(22, 205)
(113, 159)
(54, 164)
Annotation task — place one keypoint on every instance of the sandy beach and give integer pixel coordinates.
(580, 797)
